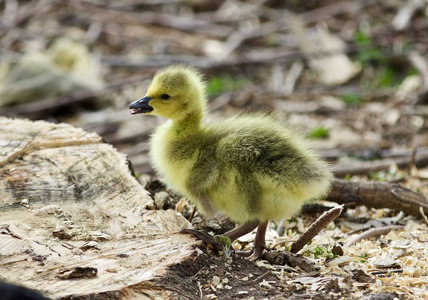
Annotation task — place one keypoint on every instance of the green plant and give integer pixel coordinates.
(215, 86)
(320, 132)
(352, 99)
(378, 176)
(218, 85)
(318, 251)
(364, 257)
(367, 53)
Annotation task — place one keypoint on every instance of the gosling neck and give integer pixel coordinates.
(191, 123)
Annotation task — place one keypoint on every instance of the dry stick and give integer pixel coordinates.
(249, 58)
(260, 56)
(27, 11)
(416, 110)
(387, 156)
(237, 38)
(421, 160)
(316, 227)
(423, 214)
(160, 19)
(378, 195)
(131, 5)
(387, 272)
(420, 63)
(322, 13)
(372, 232)
(192, 214)
(412, 165)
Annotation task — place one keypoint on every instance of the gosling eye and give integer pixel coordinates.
(165, 96)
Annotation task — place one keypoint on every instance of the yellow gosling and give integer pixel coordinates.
(250, 167)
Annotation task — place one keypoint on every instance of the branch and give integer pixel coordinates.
(378, 195)
(315, 228)
(372, 232)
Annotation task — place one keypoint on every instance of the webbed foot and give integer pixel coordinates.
(205, 237)
(224, 242)
(253, 255)
(257, 253)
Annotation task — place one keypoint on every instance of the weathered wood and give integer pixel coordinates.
(378, 195)
(70, 206)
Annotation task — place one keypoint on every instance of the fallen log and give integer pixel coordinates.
(74, 220)
(378, 195)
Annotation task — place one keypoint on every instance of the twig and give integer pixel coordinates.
(156, 18)
(258, 56)
(412, 164)
(371, 233)
(420, 63)
(337, 8)
(237, 38)
(387, 272)
(27, 11)
(292, 77)
(402, 18)
(421, 160)
(262, 276)
(192, 214)
(315, 228)
(200, 290)
(423, 214)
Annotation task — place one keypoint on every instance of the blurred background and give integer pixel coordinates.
(352, 74)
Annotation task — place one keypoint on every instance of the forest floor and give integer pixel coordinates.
(353, 75)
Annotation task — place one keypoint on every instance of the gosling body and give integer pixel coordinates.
(250, 167)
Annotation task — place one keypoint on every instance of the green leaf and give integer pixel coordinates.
(218, 85)
(320, 132)
(215, 87)
(226, 242)
(352, 99)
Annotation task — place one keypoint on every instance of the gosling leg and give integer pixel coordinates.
(259, 242)
(232, 234)
(241, 230)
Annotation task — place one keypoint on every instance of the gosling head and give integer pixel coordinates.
(176, 93)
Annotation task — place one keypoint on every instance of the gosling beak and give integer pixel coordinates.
(141, 106)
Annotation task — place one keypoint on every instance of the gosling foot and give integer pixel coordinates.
(252, 255)
(205, 237)
(257, 253)
(218, 242)
(224, 242)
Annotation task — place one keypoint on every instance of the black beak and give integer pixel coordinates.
(141, 106)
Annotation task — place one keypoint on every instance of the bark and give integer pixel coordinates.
(378, 195)
(73, 219)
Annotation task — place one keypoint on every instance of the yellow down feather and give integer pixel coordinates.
(250, 167)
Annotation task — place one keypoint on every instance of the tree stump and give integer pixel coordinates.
(74, 220)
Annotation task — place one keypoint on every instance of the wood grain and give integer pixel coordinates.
(60, 188)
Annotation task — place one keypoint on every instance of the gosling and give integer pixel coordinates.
(249, 167)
